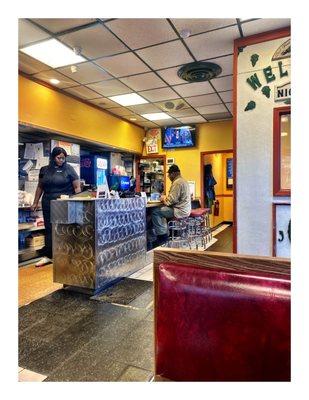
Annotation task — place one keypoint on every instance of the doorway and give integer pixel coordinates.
(221, 162)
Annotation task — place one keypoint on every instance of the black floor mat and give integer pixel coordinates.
(124, 292)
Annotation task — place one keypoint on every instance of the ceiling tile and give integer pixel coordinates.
(196, 25)
(136, 116)
(222, 84)
(83, 92)
(230, 107)
(103, 102)
(46, 76)
(263, 25)
(147, 124)
(167, 122)
(143, 81)
(226, 63)
(110, 88)
(29, 33)
(144, 108)
(218, 108)
(30, 65)
(170, 76)
(218, 116)
(123, 64)
(213, 44)
(95, 41)
(120, 111)
(192, 120)
(227, 96)
(86, 72)
(56, 25)
(186, 112)
(204, 100)
(142, 32)
(159, 94)
(193, 89)
(172, 105)
(165, 55)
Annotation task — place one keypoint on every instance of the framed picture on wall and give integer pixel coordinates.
(229, 173)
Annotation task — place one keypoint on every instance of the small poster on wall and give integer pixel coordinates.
(229, 173)
(152, 141)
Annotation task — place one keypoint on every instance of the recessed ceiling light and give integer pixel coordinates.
(53, 53)
(132, 119)
(54, 81)
(284, 134)
(185, 33)
(130, 99)
(156, 116)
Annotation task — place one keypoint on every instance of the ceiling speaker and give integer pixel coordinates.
(199, 71)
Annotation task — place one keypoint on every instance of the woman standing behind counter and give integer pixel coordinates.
(55, 179)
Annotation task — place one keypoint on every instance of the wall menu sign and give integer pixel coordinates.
(283, 92)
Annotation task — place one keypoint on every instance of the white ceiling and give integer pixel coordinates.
(143, 56)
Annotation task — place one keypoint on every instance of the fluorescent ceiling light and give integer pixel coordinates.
(156, 116)
(130, 99)
(53, 53)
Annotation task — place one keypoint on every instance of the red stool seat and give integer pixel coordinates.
(199, 212)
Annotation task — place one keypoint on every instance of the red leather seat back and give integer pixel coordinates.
(221, 326)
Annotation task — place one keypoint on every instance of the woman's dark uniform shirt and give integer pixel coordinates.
(56, 181)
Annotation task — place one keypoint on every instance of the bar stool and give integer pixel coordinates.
(177, 228)
(198, 228)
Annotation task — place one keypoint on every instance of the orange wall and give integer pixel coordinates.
(46, 108)
(210, 136)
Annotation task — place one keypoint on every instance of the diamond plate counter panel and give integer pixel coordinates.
(97, 242)
(74, 243)
(120, 239)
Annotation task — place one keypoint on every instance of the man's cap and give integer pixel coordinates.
(173, 168)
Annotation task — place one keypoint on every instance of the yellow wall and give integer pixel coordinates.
(210, 136)
(47, 108)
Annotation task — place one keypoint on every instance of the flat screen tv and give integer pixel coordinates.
(176, 137)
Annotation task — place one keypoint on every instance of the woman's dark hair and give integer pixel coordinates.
(56, 151)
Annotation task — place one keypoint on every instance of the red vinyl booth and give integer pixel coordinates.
(214, 322)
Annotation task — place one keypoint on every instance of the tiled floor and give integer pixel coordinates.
(66, 336)
(35, 282)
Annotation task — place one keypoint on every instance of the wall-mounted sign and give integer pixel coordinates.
(283, 92)
(170, 161)
(152, 146)
(101, 163)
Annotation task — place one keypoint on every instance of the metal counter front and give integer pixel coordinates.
(98, 241)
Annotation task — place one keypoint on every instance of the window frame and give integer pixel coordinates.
(278, 112)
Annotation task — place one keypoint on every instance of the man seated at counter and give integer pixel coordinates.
(176, 205)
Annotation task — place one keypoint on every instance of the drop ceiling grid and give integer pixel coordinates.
(168, 37)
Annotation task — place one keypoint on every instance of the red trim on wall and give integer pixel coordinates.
(277, 191)
(263, 37)
(224, 195)
(241, 42)
(203, 153)
(274, 224)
